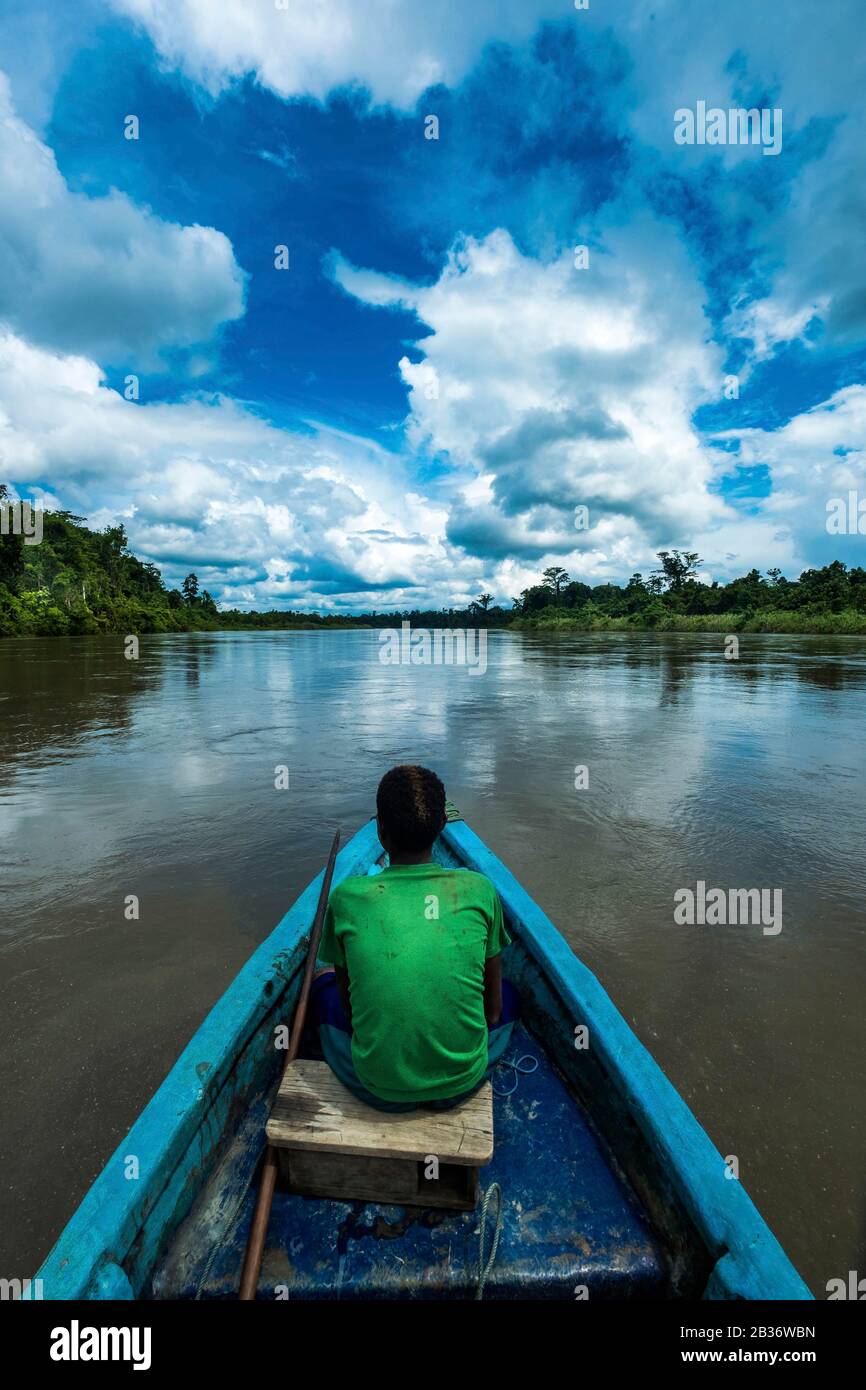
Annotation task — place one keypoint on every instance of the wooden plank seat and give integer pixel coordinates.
(333, 1145)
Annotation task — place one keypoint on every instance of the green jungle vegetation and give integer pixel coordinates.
(77, 581)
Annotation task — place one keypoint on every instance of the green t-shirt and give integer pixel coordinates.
(414, 940)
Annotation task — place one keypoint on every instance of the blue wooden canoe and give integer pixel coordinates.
(608, 1182)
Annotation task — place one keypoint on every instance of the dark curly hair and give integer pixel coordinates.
(410, 803)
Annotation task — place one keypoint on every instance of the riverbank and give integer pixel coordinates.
(850, 621)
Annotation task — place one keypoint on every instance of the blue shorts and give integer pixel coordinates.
(335, 1037)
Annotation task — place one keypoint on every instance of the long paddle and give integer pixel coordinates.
(259, 1228)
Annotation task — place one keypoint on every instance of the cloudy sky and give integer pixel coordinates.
(411, 412)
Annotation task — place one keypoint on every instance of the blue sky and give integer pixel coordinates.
(412, 411)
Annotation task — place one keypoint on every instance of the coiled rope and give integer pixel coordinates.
(494, 1190)
(519, 1070)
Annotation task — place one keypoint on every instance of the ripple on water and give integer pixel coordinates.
(250, 742)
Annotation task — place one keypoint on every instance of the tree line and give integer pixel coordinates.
(672, 595)
(79, 581)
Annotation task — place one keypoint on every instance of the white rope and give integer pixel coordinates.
(483, 1270)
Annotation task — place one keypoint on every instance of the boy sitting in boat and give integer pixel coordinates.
(414, 1010)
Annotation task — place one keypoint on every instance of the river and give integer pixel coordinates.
(155, 778)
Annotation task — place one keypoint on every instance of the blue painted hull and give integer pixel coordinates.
(610, 1187)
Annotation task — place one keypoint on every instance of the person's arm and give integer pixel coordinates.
(492, 989)
(343, 986)
(497, 937)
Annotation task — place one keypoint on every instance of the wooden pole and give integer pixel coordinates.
(264, 1201)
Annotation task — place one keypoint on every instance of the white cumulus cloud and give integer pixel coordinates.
(394, 49)
(101, 275)
(267, 516)
(549, 387)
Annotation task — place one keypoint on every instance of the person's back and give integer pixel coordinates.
(416, 950)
